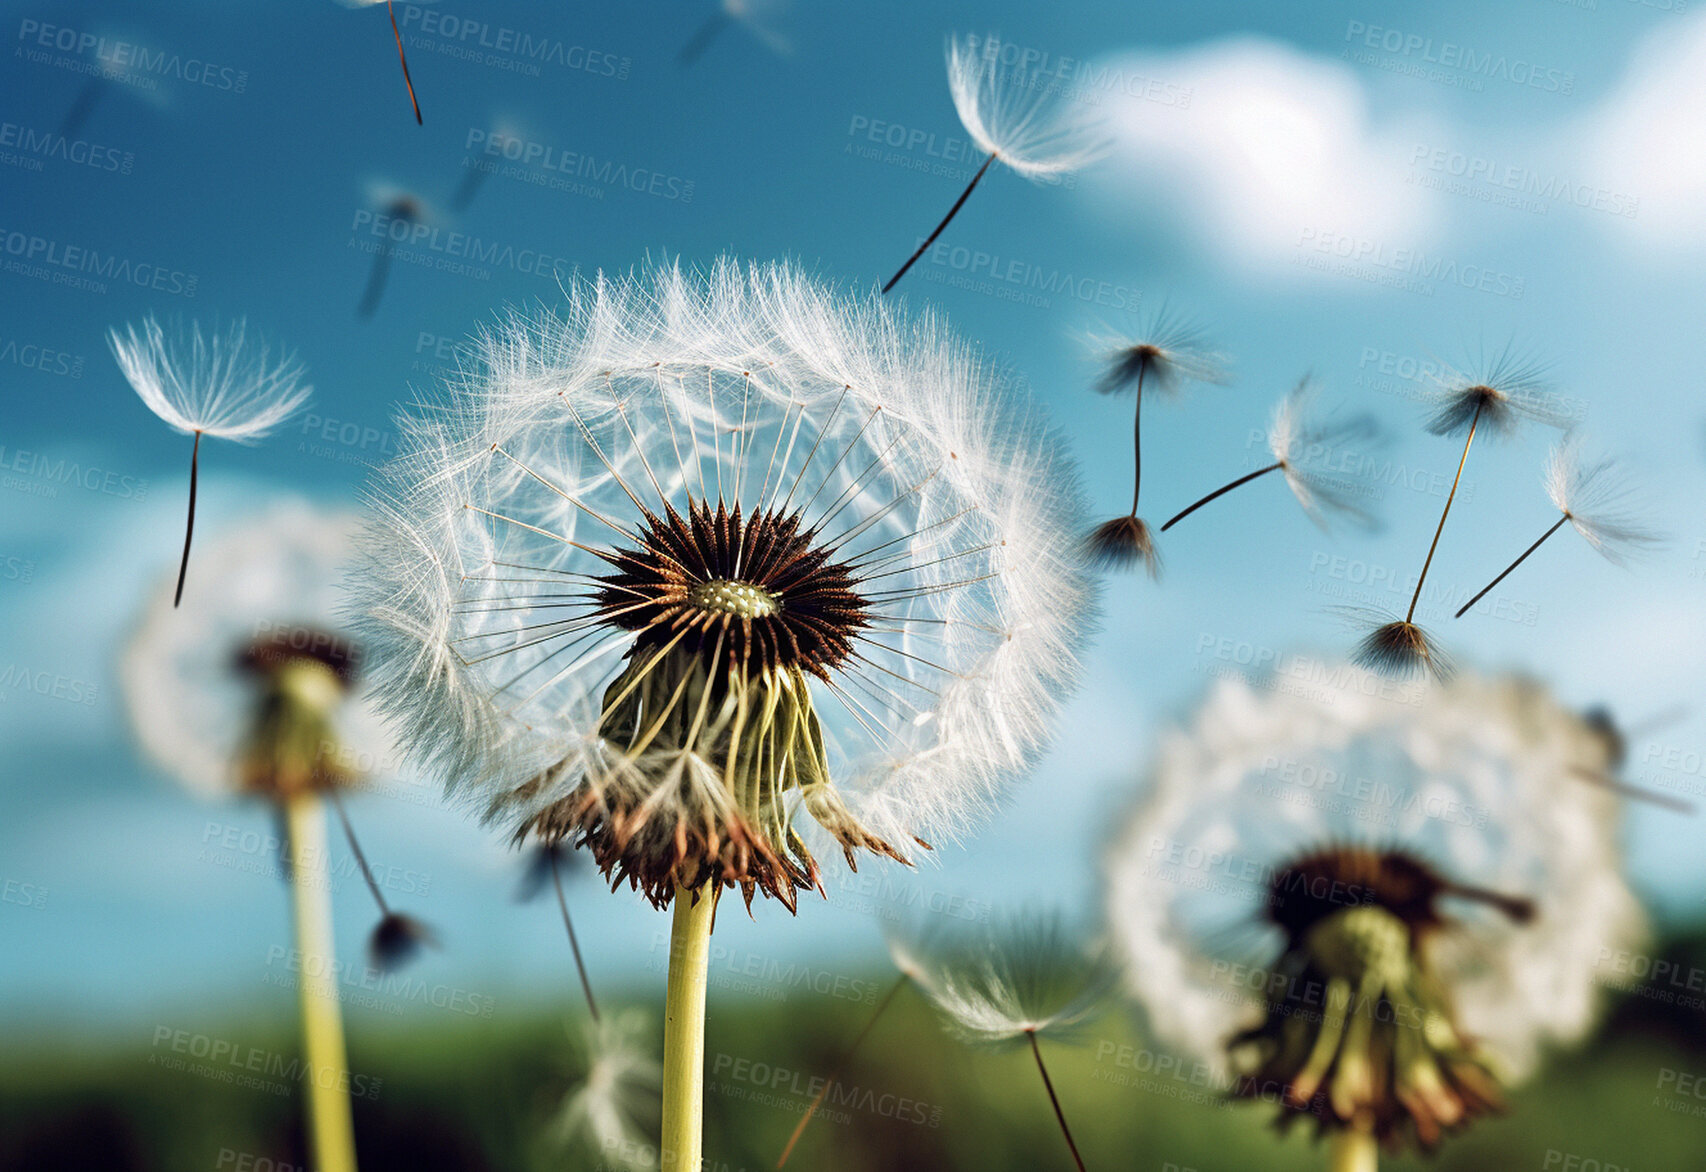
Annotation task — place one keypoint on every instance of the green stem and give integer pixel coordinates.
(1353, 1150)
(330, 1125)
(684, 1030)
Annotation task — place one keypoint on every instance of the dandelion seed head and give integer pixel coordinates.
(1496, 394)
(1019, 975)
(713, 562)
(1442, 809)
(1015, 118)
(1165, 349)
(1305, 447)
(216, 383)
(1599, 502)
(1398, 648)
(1121, 544)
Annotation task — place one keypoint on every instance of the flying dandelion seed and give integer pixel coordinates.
(402, 58)
(614, 1106)
(209, 385)
(759, 17)
(398, 207)
(906, 955)
(1432, 902)
(546, 866)
(1510, 389)
(712, 551)
(253, 690)
(1595, 502)
(1607, 775)
(1012, 120)
(1014, 981)
(474, 175)
(1299, 445)
(1169, 352)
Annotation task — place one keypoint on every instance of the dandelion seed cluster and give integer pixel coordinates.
(710, 548)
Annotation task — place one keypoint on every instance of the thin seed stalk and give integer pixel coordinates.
(835, 1076)
(682, 1145)
(1220, 492)
(952, 212)
(1054, 1100)
(1137, 441)
(1522, 557)
(1444, 513)
(330, 1124)
(1353, 1150)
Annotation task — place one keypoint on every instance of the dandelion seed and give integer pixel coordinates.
(546, 865)
(208, 386)
(759, 17)
(1594, 501)
(906, 959)
(613, 1108)
(402, 58)
(502, 131)
(1606, 773)
(1014, 981)
(712, 552)
(1299, 445)
(1395, 981)
(1010, 119)
(1169, 352)
(1509, 390)
(397, 207)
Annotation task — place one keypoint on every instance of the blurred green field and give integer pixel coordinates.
(441, 1093)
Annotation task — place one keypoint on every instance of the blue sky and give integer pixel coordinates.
(1361, 191)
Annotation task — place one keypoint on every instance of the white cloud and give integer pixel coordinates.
(1644, 137)
(1270, 143)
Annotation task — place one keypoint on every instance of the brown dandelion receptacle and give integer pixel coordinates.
(731, 613)
(304, 675)
(1359, 1035)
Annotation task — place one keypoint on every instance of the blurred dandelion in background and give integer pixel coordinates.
(1169, 352)
(1596, 501)
(1375, 908)
(1304, 450)
(213, 384)
(1013, 117)
(761, 18)
(709, 550)
(255, 690)
(1509, 388)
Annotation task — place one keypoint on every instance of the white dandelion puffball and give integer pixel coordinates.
(275, 576)
(710, 547)
(216, 384)
(1478, 778)
(1013, 116)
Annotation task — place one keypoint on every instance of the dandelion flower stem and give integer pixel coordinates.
(684, 1030)
(1037, 1053)
(189, 525)
(800, 1127)
(574, 942)
(1222, 491)
(1556, 525)
(1444, 513)
(1353, 1150)
(401, 57)
(952, 212)
(330, 1124)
